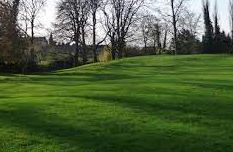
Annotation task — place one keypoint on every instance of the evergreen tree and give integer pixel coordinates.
(226, 43)
(218, 45)
(187, 43)
(209, 35)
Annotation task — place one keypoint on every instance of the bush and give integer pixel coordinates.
(133, 51)
(105, 55)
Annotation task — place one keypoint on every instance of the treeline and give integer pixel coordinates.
(215, 40)
(80, 20)
(124, 27)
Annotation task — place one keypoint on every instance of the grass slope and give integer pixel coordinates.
(143, 104)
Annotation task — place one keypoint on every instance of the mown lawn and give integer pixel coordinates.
(142, 104)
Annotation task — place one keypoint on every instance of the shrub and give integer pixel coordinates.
(105, 55)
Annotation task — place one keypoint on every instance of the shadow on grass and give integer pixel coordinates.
(207, 108)
(64, 79)
(78, 138)
(170, 106)
(113, 135)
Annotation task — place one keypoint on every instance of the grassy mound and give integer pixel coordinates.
(143, 104)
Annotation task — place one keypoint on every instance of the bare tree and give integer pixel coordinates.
(151, 32)
(146, 30)
(157, 37)
(95, 5)
(31, 10)
(68, 23)
(120, 16)
(72, 16)
(165, 37)
(85, 10)
(191, 22)
(24, 19)
(156, 31)
(110, 29)
(177, 8)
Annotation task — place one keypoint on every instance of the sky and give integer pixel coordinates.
(48, 15)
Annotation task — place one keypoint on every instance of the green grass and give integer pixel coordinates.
(142, 104)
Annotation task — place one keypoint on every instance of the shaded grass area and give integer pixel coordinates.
(164, 104)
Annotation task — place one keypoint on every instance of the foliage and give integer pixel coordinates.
(187, 43)
(12, 43)
(208, 41)
(215, 40)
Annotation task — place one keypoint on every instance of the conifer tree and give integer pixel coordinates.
(209, 35)
(218, 45)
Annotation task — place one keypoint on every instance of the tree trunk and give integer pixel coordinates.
(165, 40)
(120, 50)
(113, 52)
(154, 45)
(84, 47)
(76, 56)
(174, 26)
(94, 37)
(145, 44)
(113, 49)
(158, 39)
(32, 32)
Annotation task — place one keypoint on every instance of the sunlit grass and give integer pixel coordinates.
(142, 104)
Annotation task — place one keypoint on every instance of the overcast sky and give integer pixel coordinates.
(49, 13)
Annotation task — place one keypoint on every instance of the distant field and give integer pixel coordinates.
(142, 104)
